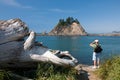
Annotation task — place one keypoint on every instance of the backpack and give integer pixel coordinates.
(98, 49)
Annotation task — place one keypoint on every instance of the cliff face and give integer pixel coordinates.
(73, 29)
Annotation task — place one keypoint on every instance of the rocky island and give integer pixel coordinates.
(70, 27)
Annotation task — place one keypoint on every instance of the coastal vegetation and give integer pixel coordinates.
(43, 72)
(53, 72)
(4, 75)
(67, 22)
(110, 69)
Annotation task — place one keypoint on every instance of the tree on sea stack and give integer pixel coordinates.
(16, 52)
(70, 26)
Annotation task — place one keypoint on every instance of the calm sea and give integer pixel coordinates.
(79, 47)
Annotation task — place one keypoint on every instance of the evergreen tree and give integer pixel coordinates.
(77, 21)
(61, 22)
(67, 22)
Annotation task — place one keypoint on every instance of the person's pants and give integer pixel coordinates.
(96, 56)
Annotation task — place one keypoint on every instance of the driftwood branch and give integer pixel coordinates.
(15, 52)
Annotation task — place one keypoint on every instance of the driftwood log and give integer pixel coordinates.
(19, 51)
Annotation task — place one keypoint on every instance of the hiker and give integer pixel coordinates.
(96, 53)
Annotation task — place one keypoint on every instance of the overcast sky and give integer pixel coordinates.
(96, 16)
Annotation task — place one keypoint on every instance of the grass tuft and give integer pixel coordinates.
(4, 75)
(52, 72)
(110, 69)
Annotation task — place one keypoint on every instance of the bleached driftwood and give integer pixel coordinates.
(17, 53)
(12, 30)
(43, 54)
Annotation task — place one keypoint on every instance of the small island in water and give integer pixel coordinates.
(72, 27)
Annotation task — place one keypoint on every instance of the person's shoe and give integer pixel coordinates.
(94, 67)
(98, 66)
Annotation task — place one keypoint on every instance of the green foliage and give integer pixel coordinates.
(4, 75)
(51, 72)
(61, 22)
(110, 69)
(67, 22)
(45, 71)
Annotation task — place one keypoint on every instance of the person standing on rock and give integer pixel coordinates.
(96, 53)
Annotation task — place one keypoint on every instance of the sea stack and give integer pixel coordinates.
(69, 27)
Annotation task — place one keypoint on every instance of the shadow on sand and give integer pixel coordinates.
(82, 75)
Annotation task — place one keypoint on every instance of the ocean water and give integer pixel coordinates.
(79, 47)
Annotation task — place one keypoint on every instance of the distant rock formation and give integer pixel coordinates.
(115, 31)
(104, 34)
(74, 29)
(69, 27)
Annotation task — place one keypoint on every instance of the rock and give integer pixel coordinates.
(73, 29)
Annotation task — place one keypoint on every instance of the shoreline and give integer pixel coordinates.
(90, 34)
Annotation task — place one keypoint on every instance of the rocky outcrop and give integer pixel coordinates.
(16, 52)
(73, 29)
